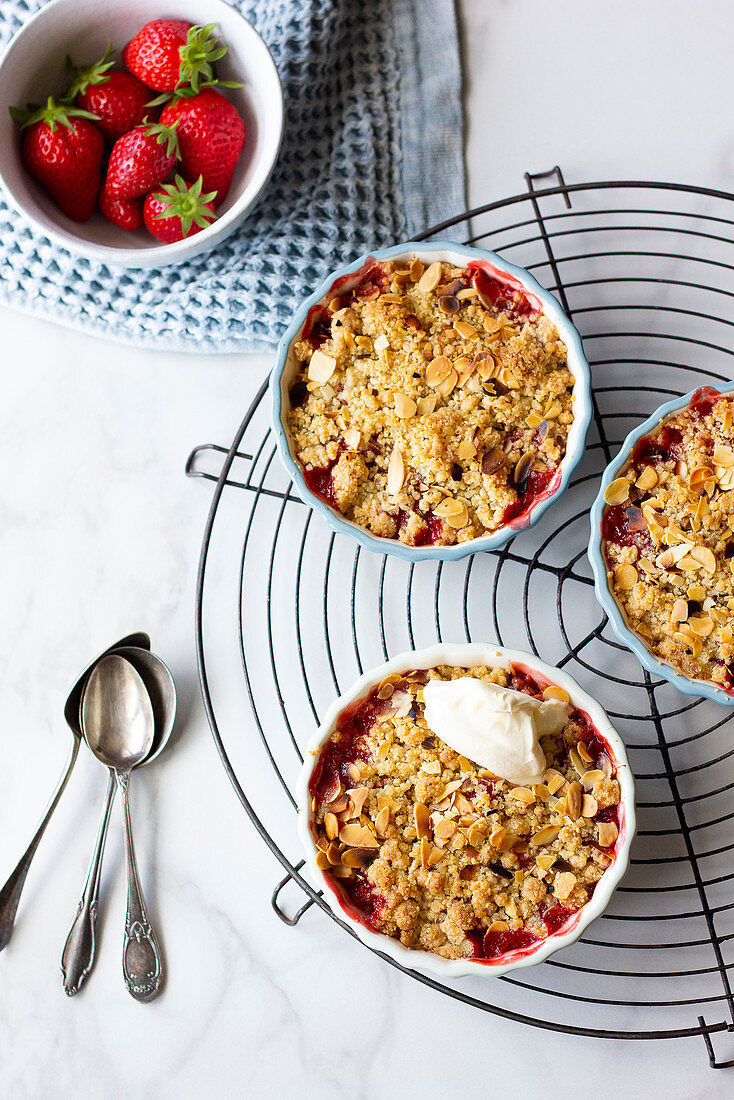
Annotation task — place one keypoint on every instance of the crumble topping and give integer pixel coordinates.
(427, 847)
(668, 536)
(433, 404)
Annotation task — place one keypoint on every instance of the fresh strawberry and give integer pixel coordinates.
(63, 150)
(119, 100)
(124, 213)
(167, 53)
(141, 160)
(178, 210)
(211, 135)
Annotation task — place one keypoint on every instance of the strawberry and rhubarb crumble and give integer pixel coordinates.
(430, 404)
(425, 846)
(668, 539)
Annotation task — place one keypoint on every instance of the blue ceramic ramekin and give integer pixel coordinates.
(604, 594)
(459, 255)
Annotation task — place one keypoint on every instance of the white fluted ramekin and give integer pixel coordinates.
(467, 655)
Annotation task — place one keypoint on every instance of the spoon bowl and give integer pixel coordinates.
(117, 714)
(162, 692)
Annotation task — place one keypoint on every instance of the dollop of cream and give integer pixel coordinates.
(498, 728)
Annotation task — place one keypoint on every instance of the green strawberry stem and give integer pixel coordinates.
(165, 134)
(198, 55)
(187, 91)
(186, 203)
(84, 76)
(53, 114)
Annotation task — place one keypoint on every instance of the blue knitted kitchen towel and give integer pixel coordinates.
(372, 154)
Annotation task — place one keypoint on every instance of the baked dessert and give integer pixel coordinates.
(427, 846)
(430, 404)
(668, 539)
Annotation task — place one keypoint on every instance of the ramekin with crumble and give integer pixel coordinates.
(440, 855)
(667, 533)
(430, 402)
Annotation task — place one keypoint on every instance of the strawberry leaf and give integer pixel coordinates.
(84, 76)
(198, 55)
(53, 114)
(165, 135)
(184, 201)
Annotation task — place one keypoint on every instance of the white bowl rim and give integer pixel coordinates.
(467, 654)
(164, 254)
(458, 254)
(604, 594)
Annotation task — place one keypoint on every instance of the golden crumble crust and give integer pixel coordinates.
(429, 409)
(668, 540)
(432, 850)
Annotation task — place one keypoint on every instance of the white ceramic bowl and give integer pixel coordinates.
(465, 655)
(286, 368)
(33, 67)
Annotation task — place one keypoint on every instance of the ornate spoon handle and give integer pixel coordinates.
(142, 965)
(13, 888)
(77, 959)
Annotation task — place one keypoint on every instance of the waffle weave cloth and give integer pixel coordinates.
(372, 154)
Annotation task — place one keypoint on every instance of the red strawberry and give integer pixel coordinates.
(178, 210)
(124, 213)
(211, 135)
(141, 160)
(63, 150)
(168, 52)
(118, 100)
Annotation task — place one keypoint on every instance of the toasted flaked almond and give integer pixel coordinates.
(427, 405)
(499, 926)
(353, 438)
(723, 456)
(491, 324)
(431, 767)
(706, 557)
(690, 641)
(523, 466)
(476, 835)
(701, 625)
(465, 329)
(341, 871)
(563, 885)
(584, 753)
(466, 450)
(467, 292)
(453, 511)
(430, 278)
(679, 613)
(608, 833)
(648, 479)
(553, 411)
(625, 576)
(438, 370)
(589, 806)
(416, 269)
(358, 796)
(545, 861)
(382, 821)
(383, 749)
(553, 691)
(444, 828)
(522, 794)
(364, 342)
(486, 367)
(334, 853)
(533, 420)
(591, 778)
(449, 383)
(357, 836)
(358, 857)
(497, 837)
(555, 783)
(405, 406)
(546, 835)
(322, 861)
(395, 472)
(578, 762)
(726, 634)
(321, 367)
(425, 851)
(462, 804)
(331, 826)
(435, 857)
(420, 817)
(574, 801)
(618, 491)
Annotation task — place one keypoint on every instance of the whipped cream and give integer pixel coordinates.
(498, 728)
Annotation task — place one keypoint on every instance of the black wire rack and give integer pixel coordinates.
(288, 613)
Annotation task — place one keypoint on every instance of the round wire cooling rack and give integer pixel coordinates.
(288, 614)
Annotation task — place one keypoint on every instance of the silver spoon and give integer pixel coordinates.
(118, 726)
(77, 959)
(11, 891)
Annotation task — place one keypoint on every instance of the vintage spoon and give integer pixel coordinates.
(118, 726)
(11, 891)
(77, 959)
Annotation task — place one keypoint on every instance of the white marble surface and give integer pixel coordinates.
(100, 535)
